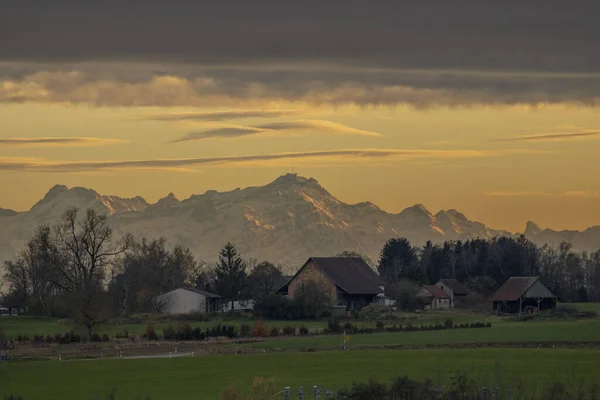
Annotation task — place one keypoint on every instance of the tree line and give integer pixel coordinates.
(78, 269)
(485, 264)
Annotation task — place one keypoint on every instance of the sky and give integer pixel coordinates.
(491, 109)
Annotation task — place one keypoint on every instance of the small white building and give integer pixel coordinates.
(453, 288)
(435, 297)
(186, 300)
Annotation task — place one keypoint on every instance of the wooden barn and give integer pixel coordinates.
(522, 294)
(349, 281)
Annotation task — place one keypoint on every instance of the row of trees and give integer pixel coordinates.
(78, 269)
(487, 264)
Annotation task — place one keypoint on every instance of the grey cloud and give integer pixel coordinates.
(551, 137)
(116, 84)
(352, 154)
(220, 115)
(558, 36)
(182, 53)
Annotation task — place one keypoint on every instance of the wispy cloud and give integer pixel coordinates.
(220, 115)
(351, 156)
(306, 126)
(57, 142)
(551, 137)
(570, 193)
(225, 133)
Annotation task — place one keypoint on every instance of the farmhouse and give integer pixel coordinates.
(186, 300)
(349, 281)
(523, 295)
(434, 296)
(453, 288)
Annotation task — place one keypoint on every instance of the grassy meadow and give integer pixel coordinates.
(529, 331)
(205, 377)
(24, 325)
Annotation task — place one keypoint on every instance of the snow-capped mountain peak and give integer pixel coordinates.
(286, 221)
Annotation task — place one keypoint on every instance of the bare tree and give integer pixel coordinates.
(87, 249)
(161, 303)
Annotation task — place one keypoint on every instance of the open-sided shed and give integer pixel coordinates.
(523, 294)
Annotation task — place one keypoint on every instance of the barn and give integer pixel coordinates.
(521, 294)
(348, 281)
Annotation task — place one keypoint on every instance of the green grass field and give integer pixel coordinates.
(529, 331)
(24, 325)
(595, 307)
(205, 377)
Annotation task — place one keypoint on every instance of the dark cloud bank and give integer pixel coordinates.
(421, 53)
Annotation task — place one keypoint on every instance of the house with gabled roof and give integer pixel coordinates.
(453, 288)
(524, 294)
(349, 281)
(434, 297)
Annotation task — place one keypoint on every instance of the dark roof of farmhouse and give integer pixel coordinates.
(351, 274)
(436, 292)
(202, 292)
(514, 288)
(458, 288)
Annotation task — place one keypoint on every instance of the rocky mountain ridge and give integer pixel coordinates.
(285, 221)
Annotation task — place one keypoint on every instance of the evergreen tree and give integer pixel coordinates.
(398, 260)
(230, 274)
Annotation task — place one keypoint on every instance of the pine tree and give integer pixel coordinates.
(398, 260)
(230, 274)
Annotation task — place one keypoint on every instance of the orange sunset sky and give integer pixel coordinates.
(491, 112)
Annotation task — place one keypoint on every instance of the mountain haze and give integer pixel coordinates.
(284, 221)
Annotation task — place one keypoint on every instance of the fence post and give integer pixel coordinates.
(300, 393)
(509, 394)
(316, 392)
(286, 392)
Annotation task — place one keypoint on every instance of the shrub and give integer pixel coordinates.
(303, 330)
(185, 332)
(150, 334)
(289, 330)
(274, 332)
(378, 312)
(105, 338)
(96, 338)
(228, 331)
(245, 330)
(259, 329)
(197, 334)
(122, 335)
(333, 326)
(349, 328)
(448, 323)
(169, 333)
(380, 325)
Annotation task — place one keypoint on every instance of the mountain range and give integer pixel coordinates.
(285, 221)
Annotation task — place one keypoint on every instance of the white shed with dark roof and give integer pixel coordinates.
(186, 300)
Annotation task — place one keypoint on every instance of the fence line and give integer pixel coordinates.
(319, 394)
